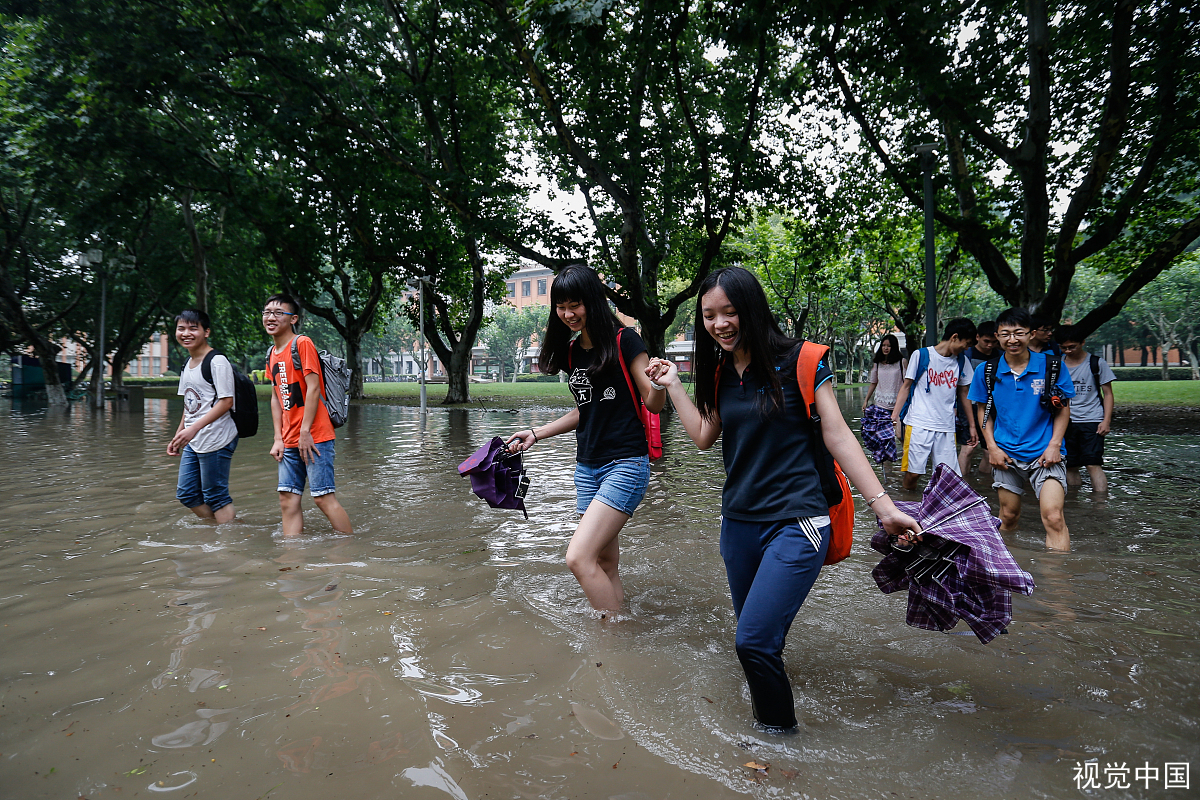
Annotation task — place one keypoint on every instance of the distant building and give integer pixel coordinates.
(529, 287)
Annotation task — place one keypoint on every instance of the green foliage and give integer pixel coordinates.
(509, 332)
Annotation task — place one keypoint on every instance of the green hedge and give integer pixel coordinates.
(1151, 373)
(536, 378)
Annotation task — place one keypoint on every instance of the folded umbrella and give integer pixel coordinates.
(960, 569)
(497, 476)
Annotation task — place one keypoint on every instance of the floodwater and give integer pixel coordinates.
(444, 651)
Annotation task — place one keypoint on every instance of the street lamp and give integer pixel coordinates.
(928, 160)
(419, 284)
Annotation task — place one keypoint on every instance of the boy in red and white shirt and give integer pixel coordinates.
(929, 435)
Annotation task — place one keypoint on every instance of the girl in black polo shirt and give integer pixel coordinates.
(613, 464)
(774, 518)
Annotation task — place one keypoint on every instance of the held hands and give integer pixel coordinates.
(180, 441)
(664, 373)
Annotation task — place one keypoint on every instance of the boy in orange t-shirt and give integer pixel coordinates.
(304, 439)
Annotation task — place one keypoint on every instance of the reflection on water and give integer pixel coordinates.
(444, 649)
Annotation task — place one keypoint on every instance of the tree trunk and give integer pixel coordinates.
(1193, 361)
(354, 361)
(56, 396)
(458, 371)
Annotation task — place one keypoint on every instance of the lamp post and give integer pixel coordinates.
(419, 284)
(928, 160)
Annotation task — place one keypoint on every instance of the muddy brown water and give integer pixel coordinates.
(444, 650)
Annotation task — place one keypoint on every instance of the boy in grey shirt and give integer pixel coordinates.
(207, 434)
(1091, 409)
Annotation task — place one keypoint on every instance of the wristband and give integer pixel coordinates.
(871, 502)
(534, 435)
(657, 388)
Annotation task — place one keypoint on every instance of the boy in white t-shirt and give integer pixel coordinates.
(207, 435)
(944, 376)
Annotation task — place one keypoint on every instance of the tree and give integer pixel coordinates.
(510, 331)
(1170, 308)
(664, 117)
(1084, 103)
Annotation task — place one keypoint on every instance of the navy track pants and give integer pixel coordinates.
(771, 567)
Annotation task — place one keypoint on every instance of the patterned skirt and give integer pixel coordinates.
(878, 433)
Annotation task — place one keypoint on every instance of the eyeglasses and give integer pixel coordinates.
(1017, 334)
(272, 314)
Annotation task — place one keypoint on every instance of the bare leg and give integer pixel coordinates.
(1099, 479)
(910, 480)
(203, 511)
(887, 467)
(1051, 502)
(293, 519)
(985, 466)
(1073, 477)
(593, 556)
(964, 460)
(1010, 510)
(333, 511)
(225, 514)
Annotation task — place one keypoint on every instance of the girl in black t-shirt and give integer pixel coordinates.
(775, 526)
(613, 465)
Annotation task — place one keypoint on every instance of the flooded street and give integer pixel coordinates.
(444, 650)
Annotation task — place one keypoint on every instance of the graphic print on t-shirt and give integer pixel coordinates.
(191, 401)
(947, 377)
(581, 387)
(610, 393)
(290, 395)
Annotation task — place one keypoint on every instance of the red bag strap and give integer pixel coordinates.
(807, 363)
(637, 397)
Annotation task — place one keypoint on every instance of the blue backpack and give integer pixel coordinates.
(922, 369)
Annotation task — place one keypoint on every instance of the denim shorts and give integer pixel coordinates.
(293, 472)
(204, 477)
(620, 484)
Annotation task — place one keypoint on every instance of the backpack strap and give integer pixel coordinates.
(206, 372)
(296, 365)
(636, 396)
(808, 361)
(989, 381)
(1053, 369)
(923, 368)
(1095, 359)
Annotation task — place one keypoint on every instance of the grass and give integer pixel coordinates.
(1177, 394)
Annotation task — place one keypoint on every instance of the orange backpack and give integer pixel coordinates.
(833, 481)
(834, 485)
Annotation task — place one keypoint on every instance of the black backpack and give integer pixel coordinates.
(245, 399)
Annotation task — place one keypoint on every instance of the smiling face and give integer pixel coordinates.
(278, 317)
(190, 335)
(1013, 338)
(1071, 350)
(573, 314)
(720, 319)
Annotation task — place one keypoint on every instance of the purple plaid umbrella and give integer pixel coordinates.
(497, 476)
(960, 569)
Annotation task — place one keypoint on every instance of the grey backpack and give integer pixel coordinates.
(335, 383)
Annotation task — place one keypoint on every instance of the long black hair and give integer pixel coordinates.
(580, 284)
(893, 356)
(758, 335)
